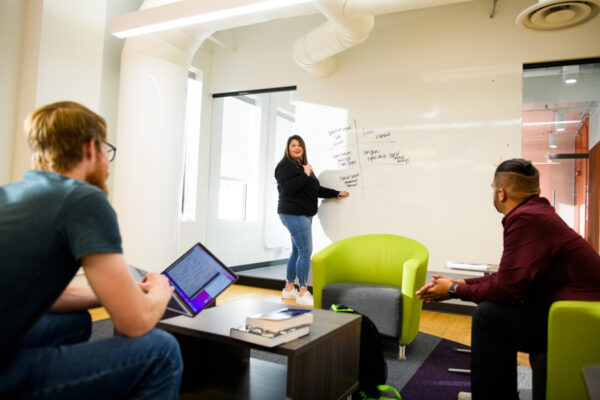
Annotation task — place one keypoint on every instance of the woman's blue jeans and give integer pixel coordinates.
(55, 360)
(298, 264)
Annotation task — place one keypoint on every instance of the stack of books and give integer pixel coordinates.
(274, 328)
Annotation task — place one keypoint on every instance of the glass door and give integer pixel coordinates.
(558, 101)
(249, 133)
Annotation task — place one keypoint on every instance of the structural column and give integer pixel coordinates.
(150, 139)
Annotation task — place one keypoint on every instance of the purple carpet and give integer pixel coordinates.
(433, 381)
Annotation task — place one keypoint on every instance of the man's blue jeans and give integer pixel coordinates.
(298, 264)
(55, 360)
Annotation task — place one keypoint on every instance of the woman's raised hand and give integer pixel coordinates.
(308, 169)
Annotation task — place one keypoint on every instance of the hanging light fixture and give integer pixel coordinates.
(553, 141)
(559, 122)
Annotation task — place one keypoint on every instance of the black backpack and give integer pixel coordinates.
(373, 369)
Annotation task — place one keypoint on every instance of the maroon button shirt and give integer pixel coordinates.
(543, 261)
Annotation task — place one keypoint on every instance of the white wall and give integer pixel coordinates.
(55, 50)
(435, 68)
(252, 235)
(71, 46)
(111, 66)
(19, 92)
(11, 36)
(69, 61)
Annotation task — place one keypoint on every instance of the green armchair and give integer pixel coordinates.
(379, 259)
(573, 342)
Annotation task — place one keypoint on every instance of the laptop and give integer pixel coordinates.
(198, 278)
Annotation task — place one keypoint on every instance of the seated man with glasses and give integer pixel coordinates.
(55, 220)
(111, 151)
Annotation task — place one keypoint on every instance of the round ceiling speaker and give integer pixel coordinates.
(552, 15)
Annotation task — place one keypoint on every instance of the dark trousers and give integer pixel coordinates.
(497, 333)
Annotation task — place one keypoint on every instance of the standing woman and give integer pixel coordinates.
(299, 190)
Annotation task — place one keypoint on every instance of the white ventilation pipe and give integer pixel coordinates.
(315, 50)
(349, 24)
(150, 142)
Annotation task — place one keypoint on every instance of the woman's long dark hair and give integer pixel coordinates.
(288, 156)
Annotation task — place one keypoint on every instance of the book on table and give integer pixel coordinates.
(281, 319)
(268, 338)
(469, 266)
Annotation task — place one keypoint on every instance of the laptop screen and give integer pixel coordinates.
(198, 277)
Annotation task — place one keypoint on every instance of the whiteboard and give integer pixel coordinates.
(418, 167)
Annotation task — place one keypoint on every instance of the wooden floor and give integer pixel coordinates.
(448, 326)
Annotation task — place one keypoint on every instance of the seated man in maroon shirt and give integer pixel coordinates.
(543, 261)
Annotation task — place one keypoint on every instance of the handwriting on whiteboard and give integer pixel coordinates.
(350, 180)
(354, 148)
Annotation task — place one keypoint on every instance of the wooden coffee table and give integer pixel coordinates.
(321, 365)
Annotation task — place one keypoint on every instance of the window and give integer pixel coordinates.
(285, 126)
(232, 199)
(249, 133)
(240, 148)
(560, 100)
(193, 107)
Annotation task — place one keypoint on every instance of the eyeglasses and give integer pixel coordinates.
(111, 151)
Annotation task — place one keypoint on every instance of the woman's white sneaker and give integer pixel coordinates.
(289, 294)
(305, 300)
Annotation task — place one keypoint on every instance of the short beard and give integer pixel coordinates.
(98, 177)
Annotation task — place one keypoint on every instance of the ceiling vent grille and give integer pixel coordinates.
(553, 15)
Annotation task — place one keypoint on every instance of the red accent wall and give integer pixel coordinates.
(593, 236)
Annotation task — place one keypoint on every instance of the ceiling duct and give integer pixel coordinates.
(349, 23)
(554, 15)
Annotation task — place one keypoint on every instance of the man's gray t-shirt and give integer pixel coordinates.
(48, 223)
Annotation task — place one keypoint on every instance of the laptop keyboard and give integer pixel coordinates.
(140, 271)
(174, 305)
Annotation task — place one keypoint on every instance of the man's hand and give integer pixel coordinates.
(437, 290)
(158, 283)
(134, 307)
